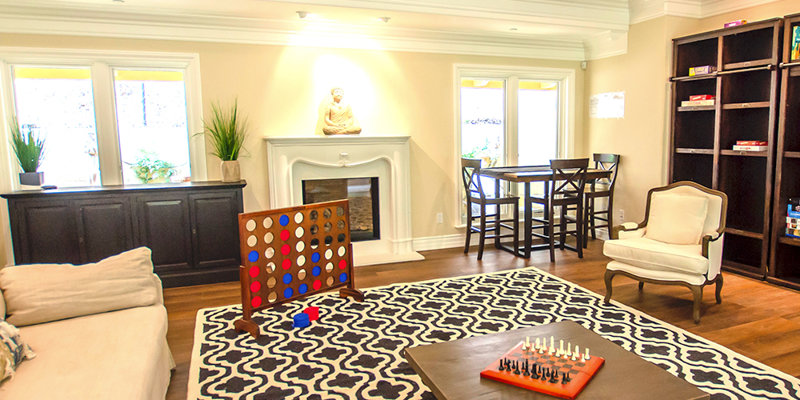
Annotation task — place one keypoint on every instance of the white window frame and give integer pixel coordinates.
(102, 64)
(566, 124)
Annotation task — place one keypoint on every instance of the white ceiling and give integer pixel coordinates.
(550, 29)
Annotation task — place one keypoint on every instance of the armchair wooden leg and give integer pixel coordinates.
(697, 292)
(607, 278)
(718, 291)
(641, 285)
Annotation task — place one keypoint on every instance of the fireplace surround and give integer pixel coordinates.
(291, 160)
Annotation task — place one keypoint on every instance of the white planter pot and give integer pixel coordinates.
(230, 171)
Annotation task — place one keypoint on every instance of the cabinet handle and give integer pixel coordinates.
(194, 231)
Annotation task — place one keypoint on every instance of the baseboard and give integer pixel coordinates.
(457, 240)
(438, 242)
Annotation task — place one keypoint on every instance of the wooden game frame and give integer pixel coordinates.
(325, 237)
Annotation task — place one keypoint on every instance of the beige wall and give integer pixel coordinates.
(280, 89)
(641, 137)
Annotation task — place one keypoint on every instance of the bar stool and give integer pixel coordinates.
(470, 173)
(568, 183)
(599, 188)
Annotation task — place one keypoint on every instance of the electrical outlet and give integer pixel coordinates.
(439, 218)
(621, 215)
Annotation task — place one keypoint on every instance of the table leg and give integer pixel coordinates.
(526, 251)
(497, 217)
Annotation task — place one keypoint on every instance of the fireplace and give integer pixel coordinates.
(293, 161)
(364, 202)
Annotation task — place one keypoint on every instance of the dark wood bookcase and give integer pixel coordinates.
(745, 86)
(785, 251)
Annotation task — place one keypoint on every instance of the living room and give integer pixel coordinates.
(402, 67)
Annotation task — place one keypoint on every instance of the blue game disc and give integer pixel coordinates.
(287, 279)
(302, 289)
(343, 277)
(315, 257)
(301, 320)
(253, 256)
(316, 270)
(288, 292)
(284, 220)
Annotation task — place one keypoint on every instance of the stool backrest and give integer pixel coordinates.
(470, 174)
(606, 162)
(569, 177)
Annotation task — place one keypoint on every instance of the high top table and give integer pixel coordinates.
(451, 370)
(527, 175)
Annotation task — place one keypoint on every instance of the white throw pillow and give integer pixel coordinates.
(48, 292)
(676, 219)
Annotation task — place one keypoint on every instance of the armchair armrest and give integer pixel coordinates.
(625, 227)
(712, 250)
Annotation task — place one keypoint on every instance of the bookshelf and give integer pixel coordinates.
(745, 86)
(785, 250)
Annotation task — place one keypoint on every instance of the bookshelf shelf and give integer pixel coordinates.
(745, 87)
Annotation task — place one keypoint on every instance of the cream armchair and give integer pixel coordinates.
(679, 242)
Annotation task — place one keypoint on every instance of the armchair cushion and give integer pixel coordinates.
(655, 255)
(47, 292)
(676, 219)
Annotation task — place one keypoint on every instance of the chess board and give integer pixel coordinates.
(579, 372)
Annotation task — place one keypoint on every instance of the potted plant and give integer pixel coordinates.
(28, 149)
(228, 131)
(149, 169)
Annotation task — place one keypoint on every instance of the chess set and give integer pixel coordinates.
(551, 370)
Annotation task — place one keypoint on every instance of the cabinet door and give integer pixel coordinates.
(215, 231)
(104, 227)
(46, 233)
(163, 222)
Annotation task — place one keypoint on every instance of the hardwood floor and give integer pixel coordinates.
(756, 319)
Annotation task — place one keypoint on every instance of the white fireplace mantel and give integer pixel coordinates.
(290, 160)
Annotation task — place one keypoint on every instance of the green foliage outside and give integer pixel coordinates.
(227, 130)
(149, 169)
(484, 153)
(28, 148)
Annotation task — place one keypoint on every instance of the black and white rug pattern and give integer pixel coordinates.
(355, 350)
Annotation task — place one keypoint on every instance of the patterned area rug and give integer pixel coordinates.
(355, 350)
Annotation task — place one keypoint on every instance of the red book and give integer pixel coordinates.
(701, 97)
(751, 143)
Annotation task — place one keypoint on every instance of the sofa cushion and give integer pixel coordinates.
(36, 293)
(13, 350)
(676, 219)
(116, 355)
(655, 255)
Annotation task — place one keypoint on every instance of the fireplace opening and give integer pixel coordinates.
(363, 196)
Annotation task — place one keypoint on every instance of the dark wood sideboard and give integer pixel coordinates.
(192, 228)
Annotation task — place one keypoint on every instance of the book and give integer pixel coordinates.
(751, 143)
(738, 22)
(701, 97)
(702, 70)
(694, 103)
(750, 148)
(795, 53)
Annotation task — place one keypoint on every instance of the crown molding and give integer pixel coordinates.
(643, 10)
(606, 44)
(21, 19)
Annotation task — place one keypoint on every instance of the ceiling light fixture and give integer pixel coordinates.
(512, 29)
(384, 19)
(302, 14)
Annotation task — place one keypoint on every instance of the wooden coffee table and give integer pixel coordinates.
(452, 369)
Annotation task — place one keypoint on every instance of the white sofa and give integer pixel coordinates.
(99, 330)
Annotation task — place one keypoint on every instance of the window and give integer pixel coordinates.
(109, 118)
(512, 116)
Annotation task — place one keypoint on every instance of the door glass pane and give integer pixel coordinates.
(152, 127)
(57, 104)
(483, 120)
(538, 122)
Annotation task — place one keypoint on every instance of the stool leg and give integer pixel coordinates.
(469, 226)
(482, 237)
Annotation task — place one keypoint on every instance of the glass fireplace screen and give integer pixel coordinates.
(363, 196)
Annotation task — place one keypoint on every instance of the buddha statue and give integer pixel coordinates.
(339, 118)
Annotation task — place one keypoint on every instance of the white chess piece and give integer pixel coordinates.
(537, 344)
(569, 348)
(552, 345)
(586, 350)
(575, 354)
(527, 343)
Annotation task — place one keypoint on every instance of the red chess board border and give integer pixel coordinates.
(565, 391)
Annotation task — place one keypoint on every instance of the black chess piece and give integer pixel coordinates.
(502, 367)
(565, 378)
(554, 377)
(516, 368)
(545, 372)
(525, 369)
(535, 371)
